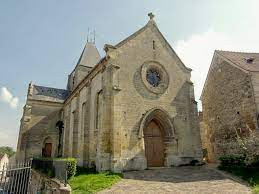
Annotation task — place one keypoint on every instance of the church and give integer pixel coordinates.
(132, 109)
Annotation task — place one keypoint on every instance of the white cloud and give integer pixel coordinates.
(3, 135)
(7, 138)
(196, 52)
(14, 102)
(7, 97)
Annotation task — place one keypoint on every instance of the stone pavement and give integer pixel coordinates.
(186, 179)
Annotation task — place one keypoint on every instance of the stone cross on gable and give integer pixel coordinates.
(151, 15)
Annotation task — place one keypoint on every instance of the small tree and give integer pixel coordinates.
(7, 150)
(249, 146)
(242, 146)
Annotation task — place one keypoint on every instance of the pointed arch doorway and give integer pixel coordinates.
(154, 144)
(47, 147)
(157, 132)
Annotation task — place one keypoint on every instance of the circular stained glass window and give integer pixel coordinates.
(153, 77)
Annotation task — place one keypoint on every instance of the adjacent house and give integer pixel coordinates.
(3, 161)
(230, 99)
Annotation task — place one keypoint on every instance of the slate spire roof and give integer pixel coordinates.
(90, 55)
(48, 94)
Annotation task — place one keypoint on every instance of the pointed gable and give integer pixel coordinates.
(152, 24)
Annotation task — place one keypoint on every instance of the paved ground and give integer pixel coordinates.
(200, 180)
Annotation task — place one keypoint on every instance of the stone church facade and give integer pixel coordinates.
(132, 109)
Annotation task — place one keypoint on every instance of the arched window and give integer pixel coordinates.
(83, 117)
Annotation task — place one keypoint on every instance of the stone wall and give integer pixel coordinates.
(255, 83)
(37, 124)
(77, 75)
(42, 184)
(80, 138)
(228, 104)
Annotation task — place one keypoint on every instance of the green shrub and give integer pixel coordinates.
(71, 167)
(7, 150)
(46, 166)
(255, 162)
(247, 173)
(230, 161)
(83, 170)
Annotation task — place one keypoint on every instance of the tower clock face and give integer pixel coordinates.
(153, 77)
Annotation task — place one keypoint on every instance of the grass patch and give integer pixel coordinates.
(88, 181)
(251, 175)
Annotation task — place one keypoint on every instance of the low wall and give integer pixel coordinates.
(40, 183)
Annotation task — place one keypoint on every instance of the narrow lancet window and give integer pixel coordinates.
(98, 107)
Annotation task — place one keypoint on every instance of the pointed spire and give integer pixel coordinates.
(90, 55)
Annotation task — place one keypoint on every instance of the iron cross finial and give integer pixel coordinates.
(151, 15)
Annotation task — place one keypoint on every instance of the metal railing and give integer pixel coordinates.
(15, 178)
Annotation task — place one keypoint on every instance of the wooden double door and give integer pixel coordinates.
(154, 145)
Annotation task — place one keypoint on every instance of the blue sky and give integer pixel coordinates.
(41, 41)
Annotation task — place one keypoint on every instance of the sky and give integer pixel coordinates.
(41, 41)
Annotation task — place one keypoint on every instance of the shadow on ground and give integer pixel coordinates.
(175, 174)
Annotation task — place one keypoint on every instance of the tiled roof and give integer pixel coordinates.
(49, 94)
(246, 61)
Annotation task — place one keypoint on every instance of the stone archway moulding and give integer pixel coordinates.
(164, 119)
(47, 139)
